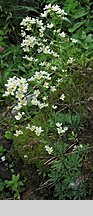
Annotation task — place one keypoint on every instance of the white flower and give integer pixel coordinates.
(48, 64)
(44, 14)
(38, 130)
(28, 43)
(39, 22)
(60, 130)
(11, 85)
(55, 7)
(64, 71)
(53, 88)
(28, 58)
(59, 80)
(19, 95)
(23, 34)
(33, 21)
(23, 102)
(65, 128)
(46, 50)
(55, 54)
(18, 132)
(50, 25)
(6, 94)
(62, 97)
(18, 107)
(54, 107)
(45, 104)
(37, 92)
(38, 75)
(3, 158)
(42, 105)
(46, 85)
(81, 146)
(42, 29)
(34, 101)
(74, 40)
(21, 81)
(72, 184)
(10, 90)
(58, 124)
(23, 113)
(70, 60)
(48, 77)
(54, 68)
(62, 34)
(25, 156)
(49, 149)
(18, 116)
(47, 7)
(32, 127)
(42, 63)
(44, 98)
(36, 60)
(31, 79)
(23, 87)
(63, 12)
(28, 127)
(27, 21)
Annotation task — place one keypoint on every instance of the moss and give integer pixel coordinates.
(30, 148)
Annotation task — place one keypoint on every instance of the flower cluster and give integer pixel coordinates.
(49, 149)
(70, 60)
(18, 132)
(40, 76)
(62, 97)
(38, 130)
(17, 87)
(53, 8)
(39, 29)
(43, 44)
(61, 130)
(28, 42)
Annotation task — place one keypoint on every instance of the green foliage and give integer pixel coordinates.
(65, 162)
(2, 185)
(73, 121)
(11, 63)
(2, 38)
(15, 185)
(30, 149)
(8, 135)
(2, 150)
(65, 176)
(12, 12)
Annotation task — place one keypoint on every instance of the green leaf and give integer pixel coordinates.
(22, 68)
(2, 184)
(89, 39)
(7, 53)
(1, 32)
(80, 14)
(1, 38)
(83, 34)
(8, 135)
(25, 8)
(76, 26)
(67, 20)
